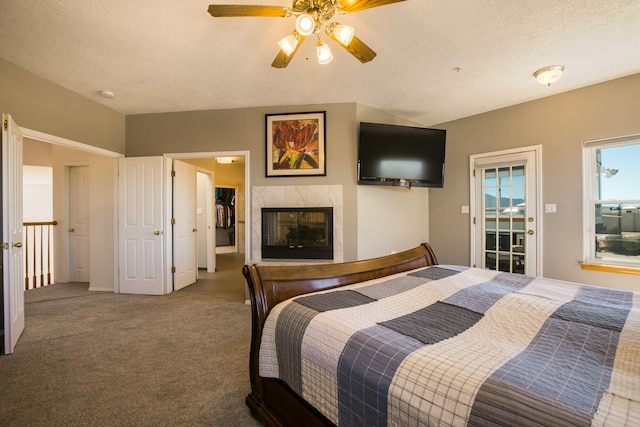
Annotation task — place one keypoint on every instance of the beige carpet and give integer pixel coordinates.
(102, 359)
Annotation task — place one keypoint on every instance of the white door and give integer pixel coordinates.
(505, 221)
(79, 223)
(141, 233)
(12, 253)
(184, 228)
(205, 210)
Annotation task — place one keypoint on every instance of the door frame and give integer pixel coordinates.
(75, 145)
(56, 140)
(210, 254)
(228, 249)
(247, 198)
(537, 152)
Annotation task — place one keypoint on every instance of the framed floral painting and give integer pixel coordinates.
(296, 144)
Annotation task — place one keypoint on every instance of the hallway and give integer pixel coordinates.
(226, 280)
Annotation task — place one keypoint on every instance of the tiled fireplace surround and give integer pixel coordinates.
(294, 196)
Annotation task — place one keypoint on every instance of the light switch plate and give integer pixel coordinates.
(550, 208)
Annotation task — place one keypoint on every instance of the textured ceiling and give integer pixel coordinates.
(171, 55)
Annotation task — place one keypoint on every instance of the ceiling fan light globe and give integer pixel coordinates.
(305, 25)
(324, 53)
(289, 43)
(343, 33)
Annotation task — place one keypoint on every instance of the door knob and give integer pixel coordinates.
(71, 230)
(530, 232)
(194, 230)
(157, 233)
(17, 245)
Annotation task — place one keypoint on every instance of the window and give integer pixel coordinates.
(612, 202)
(504, 218)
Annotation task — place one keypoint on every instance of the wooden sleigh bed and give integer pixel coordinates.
(400, 340)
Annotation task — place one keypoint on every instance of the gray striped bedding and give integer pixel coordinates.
(457, 346)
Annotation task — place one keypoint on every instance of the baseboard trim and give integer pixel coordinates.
(92, 289)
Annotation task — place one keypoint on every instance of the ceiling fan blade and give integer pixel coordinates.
(230, 10)
(356, 5)
(282, 59)
(358, 49)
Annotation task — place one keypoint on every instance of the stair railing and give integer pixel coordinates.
(38, 253)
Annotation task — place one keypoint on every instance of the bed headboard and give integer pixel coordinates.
(271, 284)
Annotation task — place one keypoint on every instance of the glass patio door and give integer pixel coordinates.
(505, 213)
(504, 218)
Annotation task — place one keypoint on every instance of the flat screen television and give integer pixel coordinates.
(402, 156)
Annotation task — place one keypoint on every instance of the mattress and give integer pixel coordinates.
(456, 346)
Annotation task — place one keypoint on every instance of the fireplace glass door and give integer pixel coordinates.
(297, 233)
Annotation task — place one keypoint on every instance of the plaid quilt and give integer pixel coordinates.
(456, 346)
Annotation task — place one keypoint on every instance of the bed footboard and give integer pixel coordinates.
(271, 401)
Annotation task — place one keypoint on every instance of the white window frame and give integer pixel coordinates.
(590, 182)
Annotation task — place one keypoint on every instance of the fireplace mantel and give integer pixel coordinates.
(296, 196)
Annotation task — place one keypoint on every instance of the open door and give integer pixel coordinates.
(184, 228)
(141, 232)
(205, 220)
(12, 252)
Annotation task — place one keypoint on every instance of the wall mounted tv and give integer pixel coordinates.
(402, 156)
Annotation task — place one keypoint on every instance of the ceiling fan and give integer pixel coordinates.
(312, 16)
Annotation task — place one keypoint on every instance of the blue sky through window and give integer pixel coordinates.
(625, 184)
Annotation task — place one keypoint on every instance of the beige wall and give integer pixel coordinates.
(560, 124)
(102, 215)
(390, 219)
(230, 176)
(102, 205)
(244, 130)
(36, 153)
(40, 105)
(367, 229)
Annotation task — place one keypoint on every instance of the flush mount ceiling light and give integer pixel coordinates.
(548, 75)
(311, 17)
(225, 160)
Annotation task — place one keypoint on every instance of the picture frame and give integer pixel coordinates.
(295, 144)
